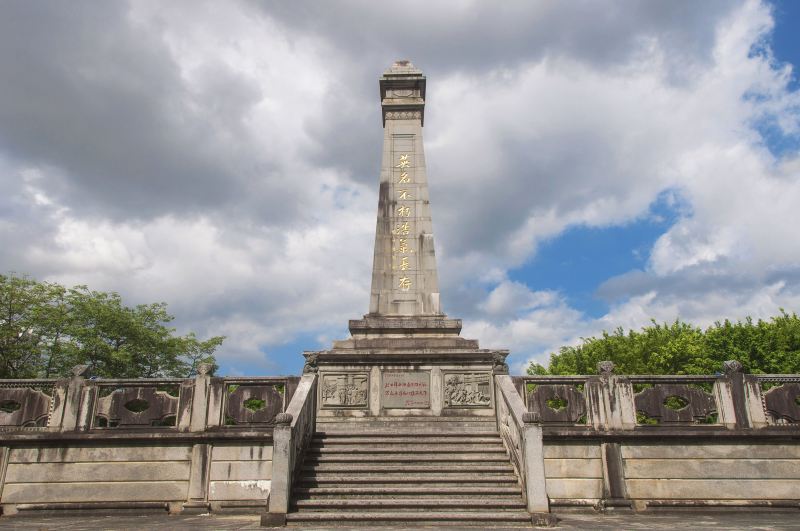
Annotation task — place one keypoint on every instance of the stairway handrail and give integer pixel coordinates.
(293, 432)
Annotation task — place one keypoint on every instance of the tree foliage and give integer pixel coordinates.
(765, 347)
(46, 329)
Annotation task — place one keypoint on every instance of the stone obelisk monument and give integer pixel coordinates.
(405, 357)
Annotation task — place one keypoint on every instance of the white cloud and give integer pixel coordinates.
(223, 158)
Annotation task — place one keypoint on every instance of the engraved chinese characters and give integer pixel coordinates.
(344, 390)
(406, 389)
(403, 258)
(467, 390)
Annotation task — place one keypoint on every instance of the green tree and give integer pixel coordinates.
(46, 329)
(771, 347)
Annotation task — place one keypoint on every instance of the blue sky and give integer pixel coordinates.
(591, 164)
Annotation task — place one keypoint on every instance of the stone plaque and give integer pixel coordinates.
(406, 389)
(467, 390)
(344, 390)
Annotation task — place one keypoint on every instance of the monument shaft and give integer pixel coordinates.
(404, 277)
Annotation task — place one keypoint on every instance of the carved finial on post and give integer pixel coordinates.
(531, 417)
(81, 371)
(605, 368)
(731, 367)
(500, 365)
(204, 368)
(283, 418)
(311, 362)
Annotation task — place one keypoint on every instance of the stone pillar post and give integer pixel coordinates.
(281, 471)
(611, 405)
(200, 398)
(198, 479)
(729, 391)
(74, 388)
(533, 458)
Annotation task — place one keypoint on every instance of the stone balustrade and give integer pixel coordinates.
(165, 444)
(654, 442)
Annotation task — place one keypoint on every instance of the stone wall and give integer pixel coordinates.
(162, 444)
(658, 442)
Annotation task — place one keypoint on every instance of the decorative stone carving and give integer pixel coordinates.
(24, 407)
(731, 366)
(403, 115)
(204, 368)
(500, 365)
(136, 407)
(283, 418)
(605, 368)
(349, 390)
(654, 402)
(311, 362)
(557, 403)
(253, 404)
(783, 402)
(467, 390)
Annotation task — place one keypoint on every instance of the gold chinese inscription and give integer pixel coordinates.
(401, 249)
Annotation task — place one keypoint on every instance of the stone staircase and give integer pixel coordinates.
(410, 474)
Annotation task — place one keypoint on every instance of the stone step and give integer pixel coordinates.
(462, 518)
(500, 457)
(405, 448)
(412, 504)
(427, 468)
(403, 439)
(389, 480)
(371, 490)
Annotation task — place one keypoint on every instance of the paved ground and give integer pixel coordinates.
(715, 521)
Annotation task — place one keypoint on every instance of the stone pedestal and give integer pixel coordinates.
(405, 367)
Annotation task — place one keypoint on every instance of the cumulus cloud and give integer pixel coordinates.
(224, 158)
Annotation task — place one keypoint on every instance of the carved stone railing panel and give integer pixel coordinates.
(782, 402)
(134, 406)
(26, 406)
(254, 404)
(558, 403)
(673, 403)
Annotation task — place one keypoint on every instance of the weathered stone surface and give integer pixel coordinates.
(79, 472)
(406, 389)
(74, 454)
(714, 489)
(653, 402)
(95, 491)
(574, 488)
(240, 470)
(404, 276)
(782, 402)
(344, 390)
(239, 490)
(571, 451)
(136, 406)
(467, 389)
(573, 468)
(253, 404)
(712, 468)
(707, 451)
(24, 406)
(241, 452)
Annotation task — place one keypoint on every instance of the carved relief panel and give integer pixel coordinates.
(467, 389)
(344, 390)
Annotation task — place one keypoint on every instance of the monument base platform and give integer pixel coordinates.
(395, 367)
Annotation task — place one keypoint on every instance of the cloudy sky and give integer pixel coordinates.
(591, 164)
